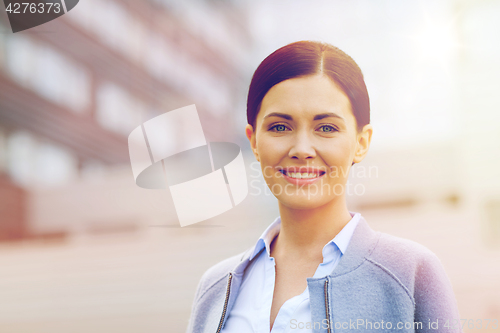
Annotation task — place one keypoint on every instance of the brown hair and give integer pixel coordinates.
(305, 58)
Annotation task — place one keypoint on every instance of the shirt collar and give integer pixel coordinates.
(340, 241)
(267, 237)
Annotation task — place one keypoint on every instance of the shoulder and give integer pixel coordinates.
(218, 272)
(393, 249)
(407, 261)
(417, 270)
(212, 285)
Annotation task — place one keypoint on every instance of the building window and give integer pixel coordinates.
(49, 73)
(33, 163)
(20, 59)
(117, 110)
(114, 25)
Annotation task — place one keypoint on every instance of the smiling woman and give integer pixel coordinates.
(319, 267)
(304, 131)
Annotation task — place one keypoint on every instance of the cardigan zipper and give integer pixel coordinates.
(327, 308)
(225, 302)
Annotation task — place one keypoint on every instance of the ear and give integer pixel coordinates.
(363, 143)
(251, 137)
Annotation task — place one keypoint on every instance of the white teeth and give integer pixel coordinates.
(301, 175)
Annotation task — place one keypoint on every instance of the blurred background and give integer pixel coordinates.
(83, 249)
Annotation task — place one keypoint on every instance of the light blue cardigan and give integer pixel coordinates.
(381, 280)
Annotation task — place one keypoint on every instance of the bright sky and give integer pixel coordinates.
(409, 52)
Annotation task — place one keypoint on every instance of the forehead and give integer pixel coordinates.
(305, 96)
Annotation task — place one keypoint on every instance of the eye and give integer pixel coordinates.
(328, 129)
(278, 128)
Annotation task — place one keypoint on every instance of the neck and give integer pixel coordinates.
(304, 232)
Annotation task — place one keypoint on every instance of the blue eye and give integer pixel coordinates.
(330, 128)
(278, 128)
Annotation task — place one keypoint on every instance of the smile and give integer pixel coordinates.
(302, 178)
(297, 175)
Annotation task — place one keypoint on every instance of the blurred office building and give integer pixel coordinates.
(73, 89)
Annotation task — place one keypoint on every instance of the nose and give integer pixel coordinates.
(302, 148)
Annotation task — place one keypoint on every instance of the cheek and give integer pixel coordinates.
(338, 153)
(270, 150)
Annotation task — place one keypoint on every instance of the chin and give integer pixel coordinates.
(302, 201)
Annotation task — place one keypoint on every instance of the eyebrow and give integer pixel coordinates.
(316, 117)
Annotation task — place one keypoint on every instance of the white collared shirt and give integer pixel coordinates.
(252, 309)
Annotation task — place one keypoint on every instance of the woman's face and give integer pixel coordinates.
(306, 140)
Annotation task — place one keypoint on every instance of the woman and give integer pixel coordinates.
(319, 267)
